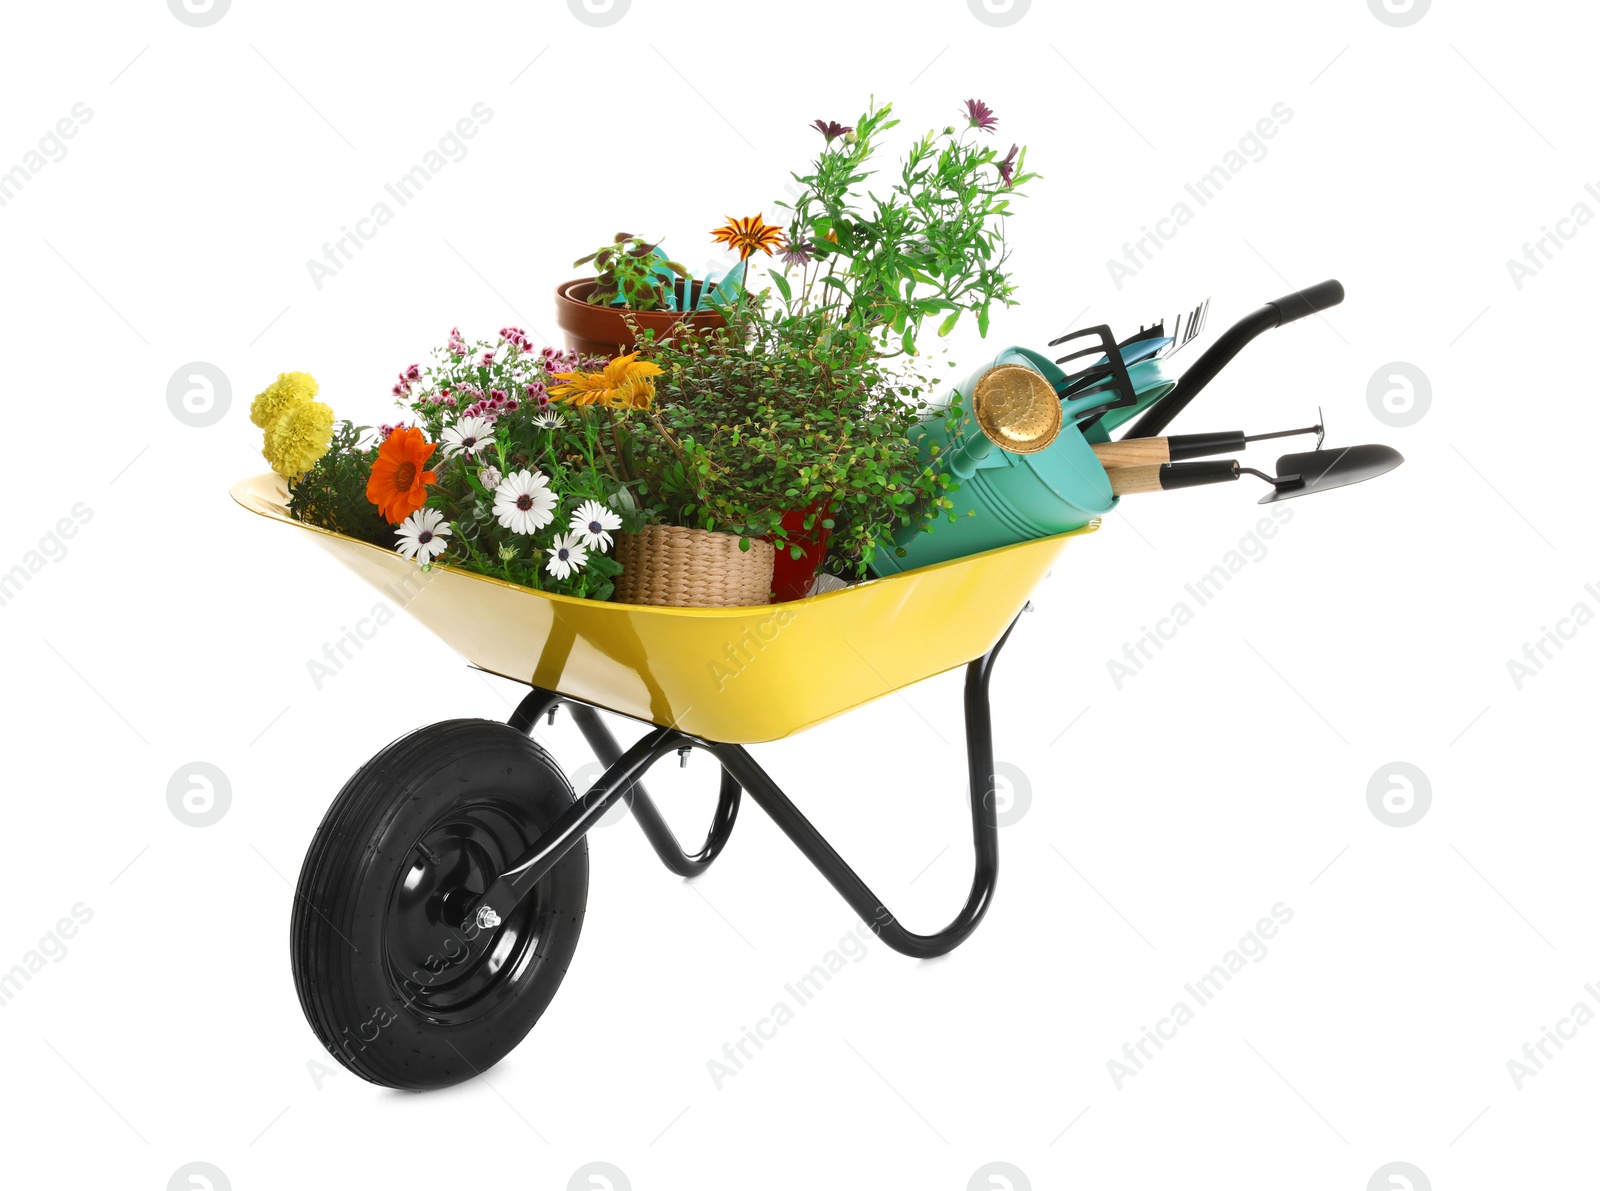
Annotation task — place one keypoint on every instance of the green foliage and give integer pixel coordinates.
(626, 268)
(776, 414)
(933, 246)
(333, 494)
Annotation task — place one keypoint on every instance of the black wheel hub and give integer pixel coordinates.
(445, 967)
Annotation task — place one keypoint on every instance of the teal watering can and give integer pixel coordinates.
(1024, 468)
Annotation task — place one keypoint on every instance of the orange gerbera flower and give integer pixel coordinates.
(398, 484)
(625, 383)
(748, 235)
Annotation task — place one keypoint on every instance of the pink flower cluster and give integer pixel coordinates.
(491, 407)
(385, 429)
(568, 361)
(517, 338)
(470, 400)
(409, 376)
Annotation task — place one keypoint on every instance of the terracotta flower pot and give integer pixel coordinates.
(671, 566)
(604, 331)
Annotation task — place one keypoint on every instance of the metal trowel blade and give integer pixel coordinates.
(1332, 467)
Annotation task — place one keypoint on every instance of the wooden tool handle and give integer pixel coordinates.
(1132, 452)
(1128, 480)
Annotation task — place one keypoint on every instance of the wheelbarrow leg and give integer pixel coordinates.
(604, 745)
(985, 830)
(644, 808)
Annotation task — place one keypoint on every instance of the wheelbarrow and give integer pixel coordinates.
(441, 900)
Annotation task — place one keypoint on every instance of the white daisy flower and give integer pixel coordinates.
(490, 477)
(523, 502)
(566, 556)
(593, 523)
(548, 420)
(467, 436)
(423, 535)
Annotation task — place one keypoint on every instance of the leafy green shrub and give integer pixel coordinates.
(333, 494)
(768, 416)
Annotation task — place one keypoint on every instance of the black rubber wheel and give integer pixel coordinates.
(397, 987)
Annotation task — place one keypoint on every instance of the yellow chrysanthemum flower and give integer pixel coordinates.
(299, 438)
(638, 395)
(289, 390)
(626, 383)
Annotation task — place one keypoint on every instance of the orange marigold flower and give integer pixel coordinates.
(749, 235)
(398, 484)
(626, 383)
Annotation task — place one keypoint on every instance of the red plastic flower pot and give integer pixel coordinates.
(792, 577)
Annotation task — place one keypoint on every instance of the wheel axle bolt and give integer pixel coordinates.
(487, 919)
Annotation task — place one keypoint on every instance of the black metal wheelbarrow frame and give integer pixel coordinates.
(623, 781)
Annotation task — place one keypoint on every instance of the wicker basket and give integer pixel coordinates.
(670, 566)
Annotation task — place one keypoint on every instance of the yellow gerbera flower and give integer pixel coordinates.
(581, 388)
(749, 235)
(638, 394)
(624, 383)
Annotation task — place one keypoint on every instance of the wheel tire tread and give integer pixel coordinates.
(322, 959)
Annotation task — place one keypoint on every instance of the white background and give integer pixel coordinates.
(1230, 775)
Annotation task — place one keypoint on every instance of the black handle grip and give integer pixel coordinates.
(1197, 446)
(1192, 475)
(1308, 301)
(1231, 343)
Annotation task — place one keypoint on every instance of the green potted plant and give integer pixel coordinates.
(767, 416)
(636, 288)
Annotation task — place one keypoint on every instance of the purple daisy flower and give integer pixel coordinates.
(1008, 165)
(831, 128)
(981, 115)
(799, 252)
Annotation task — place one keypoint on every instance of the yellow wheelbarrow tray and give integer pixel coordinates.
(439, 906)
(731, 675)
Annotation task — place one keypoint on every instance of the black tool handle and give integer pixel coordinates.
(1197, 446)
(1164, 477)
(1192, 475)
(1308, 301)
(1229, 344)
